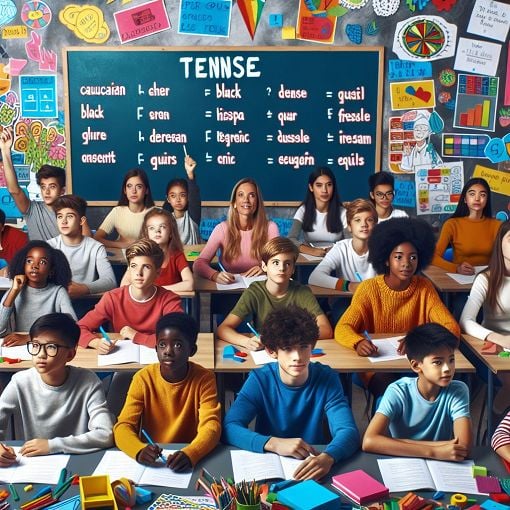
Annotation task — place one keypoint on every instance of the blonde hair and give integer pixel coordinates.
(174, 243)
(259, 226)
(360, 205)
(279, 245)
(146, 248)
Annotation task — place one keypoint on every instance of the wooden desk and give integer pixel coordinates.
(118, 255)
(494, 365)
(444, 284)
(338, 357)
(87, 358)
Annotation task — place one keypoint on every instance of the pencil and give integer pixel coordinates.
(152, 443)
(252, 329)
(106, 336)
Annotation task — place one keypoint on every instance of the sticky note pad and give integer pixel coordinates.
(276, 20)
(479, 471)
(229, 351)
(487, 484)
(288, 33)
(309, 495)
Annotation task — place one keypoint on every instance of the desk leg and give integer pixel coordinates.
(490, 401)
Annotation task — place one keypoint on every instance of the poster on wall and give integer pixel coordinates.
(438, 189)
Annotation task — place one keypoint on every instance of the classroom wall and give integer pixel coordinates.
(41, 49)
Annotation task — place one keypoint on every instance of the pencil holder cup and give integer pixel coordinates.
(240, 506)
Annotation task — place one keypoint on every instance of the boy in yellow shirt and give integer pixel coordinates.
(175, 400)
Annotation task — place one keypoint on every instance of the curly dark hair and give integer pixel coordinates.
(287, 326)
(60, 272)
(389, 234)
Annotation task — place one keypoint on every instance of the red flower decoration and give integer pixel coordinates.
(444, 5)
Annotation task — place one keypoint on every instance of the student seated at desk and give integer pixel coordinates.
(425, 416)
(397, 299)
(127, 216)
(291, 398)
(348, 258)
(183, 201)
(491, 292)
(470, 231)
(159, 226)
(174, 401)
(39, 215)
(134, 309)
(40, 277)
(321, 216)
(240, 238)
(91, 270)
(501, 439)
(382, 191)
(62, 408)
(12, 239)
(279, 257)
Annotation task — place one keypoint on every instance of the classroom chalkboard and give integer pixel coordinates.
(270, 113)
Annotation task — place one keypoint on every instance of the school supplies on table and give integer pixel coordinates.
(308, 495)
(167, 501)
(117, 465)
(241, 282)
(408, 474)
(360, 487)
(262, 466)
(18, 352)
(387, 349)
(151, 442)
(128, 352)
(42, 469)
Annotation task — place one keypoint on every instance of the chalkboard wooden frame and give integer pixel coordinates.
(334, 55)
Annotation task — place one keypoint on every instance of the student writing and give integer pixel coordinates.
(290, 399)
(175, 400)
(127, 216)
(62, 408)
(428, 415)
(278, 291)
(40, 277)
(183, 201)
(321, 217)
(90, 267)
(240, 238)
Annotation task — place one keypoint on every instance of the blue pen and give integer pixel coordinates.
(105, 335)
(220, 265)
(367, 336)
(358, 276)
(252, 329)
(152, 443)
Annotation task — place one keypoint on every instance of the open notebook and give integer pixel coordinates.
(43, 469)
(117, 465)
(400, 474)
(262, 466)
(19, 351)
(241, 282)
(128, 352)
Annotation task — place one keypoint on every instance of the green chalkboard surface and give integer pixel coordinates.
(269, 113)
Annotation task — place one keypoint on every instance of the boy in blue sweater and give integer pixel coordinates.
(291, 398)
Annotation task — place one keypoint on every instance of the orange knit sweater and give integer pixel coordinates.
(378, 309)
(472, 242)
(183, 412)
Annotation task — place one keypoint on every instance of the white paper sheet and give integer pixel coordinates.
(476, 56)
(241, 282)
(20, 351)
(262, 466)
(128, 352)
(465, 279)
(490, 19)
(387, 349)
(261, 357)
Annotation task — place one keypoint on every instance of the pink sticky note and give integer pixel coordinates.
(487, 484)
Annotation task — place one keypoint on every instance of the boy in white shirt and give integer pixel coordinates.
(92, 271)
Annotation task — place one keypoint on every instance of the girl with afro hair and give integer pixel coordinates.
(397, 299)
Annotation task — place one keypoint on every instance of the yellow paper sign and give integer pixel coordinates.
(499, 182)
(15, 32)
(288, 33)
(86, 21)
(411, 95)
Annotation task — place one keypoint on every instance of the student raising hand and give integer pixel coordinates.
(7, 456)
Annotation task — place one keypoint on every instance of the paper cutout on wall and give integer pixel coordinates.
(203, 17)
(386, 7)
(406, 95)
(47, 59)
(14, 32)
(15, 66)
(353, 4)
(317, 20)
(251, 11)
(36, 14)
(490, 19)
(5, 80)
(504, 117)
(8, 11)
(444, 5)
(424, 38)
(498, 149)
(417, 4)
(498, 181)
(475, 56)
(460, 145)
(86, 22)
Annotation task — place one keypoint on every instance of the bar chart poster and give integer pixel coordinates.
(476, 103)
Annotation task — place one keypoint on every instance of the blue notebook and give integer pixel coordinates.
(309, 495)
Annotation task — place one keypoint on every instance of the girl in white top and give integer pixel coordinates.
(348, 258)
(491, 291)
(321, 217)
(382, 192)
(127, 217)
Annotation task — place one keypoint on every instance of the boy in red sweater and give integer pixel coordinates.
(132, 310)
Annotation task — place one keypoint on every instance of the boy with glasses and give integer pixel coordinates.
(382, 192)
(62, 408)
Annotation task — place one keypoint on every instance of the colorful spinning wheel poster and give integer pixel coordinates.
(424, 38)
(36, 14)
